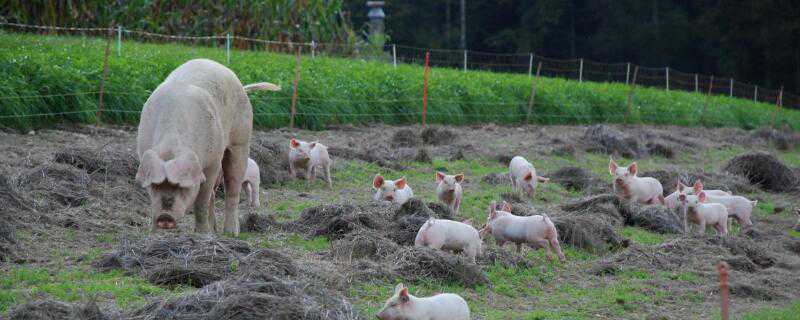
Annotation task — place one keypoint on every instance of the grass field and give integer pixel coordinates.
(53, 74)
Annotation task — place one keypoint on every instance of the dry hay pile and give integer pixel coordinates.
(602, 139)
(111, 159)
(379, 155)
(53, 185)
(363, 244)
(669, 178)
(46, 309)
(764, 170)
(652, 217)
(416, 263)
(590, 233)
(406, 138)
(272, 160)
(578, 179)
(782, 139)
(185, 260)
(438, 136)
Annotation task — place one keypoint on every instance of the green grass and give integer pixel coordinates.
(331, 90)
(641, 236)
(789, 312)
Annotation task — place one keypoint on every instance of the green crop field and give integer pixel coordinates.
(57, 74)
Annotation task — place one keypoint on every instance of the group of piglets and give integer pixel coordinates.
(706, 208)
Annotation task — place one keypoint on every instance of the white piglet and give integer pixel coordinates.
(311, 156)
(403, 306)
(441, 234)
(397, 191)
(740, 208)
(534, 231)
(449, 190)
(704, 214)
(672, 201)
(251, 183)
(523, 176)
(627, 185)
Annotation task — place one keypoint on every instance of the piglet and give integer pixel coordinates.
(523, 176)
(403, 306)
(311, 156)
(251, 183)
(397, 191)
(703, 213)
(643, 190)
(738, 207)
(671, 201)
(449, 190)
(441, 234)
(536, 231)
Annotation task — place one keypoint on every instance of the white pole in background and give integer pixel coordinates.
(628, 73)
(696, 83)
(228, 47)
(465, 60)
(580, 72)
(530, 65)
(394, 56)
(755, 94)
(667, 78)
(731, 92)
(119, 41)
(313, 48)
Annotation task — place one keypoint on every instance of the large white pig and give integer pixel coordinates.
(395, 191)
(311, 156)
(672, 201)
(442, 234)
(403, 306)
(448, 190)
(194, 125)
(523, 176)
(536, 231)
(627, 185)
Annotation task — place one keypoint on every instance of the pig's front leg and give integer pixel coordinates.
(311, 174)
(202, 204)
(701, 227)
(292, 170)
(234, 165)
(542, 243)
(328, 175)
(457, 205)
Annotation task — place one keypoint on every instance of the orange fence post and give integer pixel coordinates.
(722, 269)
(294, 86)
(100, 102)
(630, 94)
(533, 92)
(425, 87)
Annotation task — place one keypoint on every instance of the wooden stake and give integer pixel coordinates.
(722, 270)
(533, 92)
(294, 86)
(630, 94)
(425, 88)
(778, 105)
(100, 103)
(708, 99)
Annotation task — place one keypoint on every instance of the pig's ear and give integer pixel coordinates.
(528, 176)
(312, 145)
(377, 182)
(633, 169)
(404, 295)
(439, 176)
(492, 210)
(506, 207)
(612, 166)
(400, 184)
(294, 144)
(460, 177)
(151, 169)
(701, 196)
(698, 186)
(185, 170)
(399, 287)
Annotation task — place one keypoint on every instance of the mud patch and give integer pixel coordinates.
(764, 170)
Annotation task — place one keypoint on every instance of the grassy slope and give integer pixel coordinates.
(332, 90)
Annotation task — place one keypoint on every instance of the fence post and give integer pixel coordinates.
(580, 72)
(99, 115)
(696, 83)
(667, 78)
(778, 103)
(731, 92)
(533, 92)
(294, 86)
(228, 47)
(313, 49)
(630, 94)
(755, 94)
(465, 60)
(530, 65)
(627, 73)
(708, 98)
(119, 41)
(722, 270)
(425, 88)
(394, 56)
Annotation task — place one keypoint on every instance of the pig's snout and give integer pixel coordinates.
(389, 197)
(166, 221)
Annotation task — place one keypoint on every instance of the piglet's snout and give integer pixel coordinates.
(166, 221)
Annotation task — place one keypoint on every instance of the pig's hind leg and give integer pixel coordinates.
(328, 175)
(234, 164)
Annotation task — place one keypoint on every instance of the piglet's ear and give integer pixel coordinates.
(439, 176)
(312, 145)
(460, 178)
(701, 196)
(400, 184)
(633, 169)
(151, 169)
(399, 287)
(528, 176)
(185, 170)
(404, 295)
(492, 210)
(377, 182)
(294, 144)
(612, 166)
(506, 207)
(698, 186)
